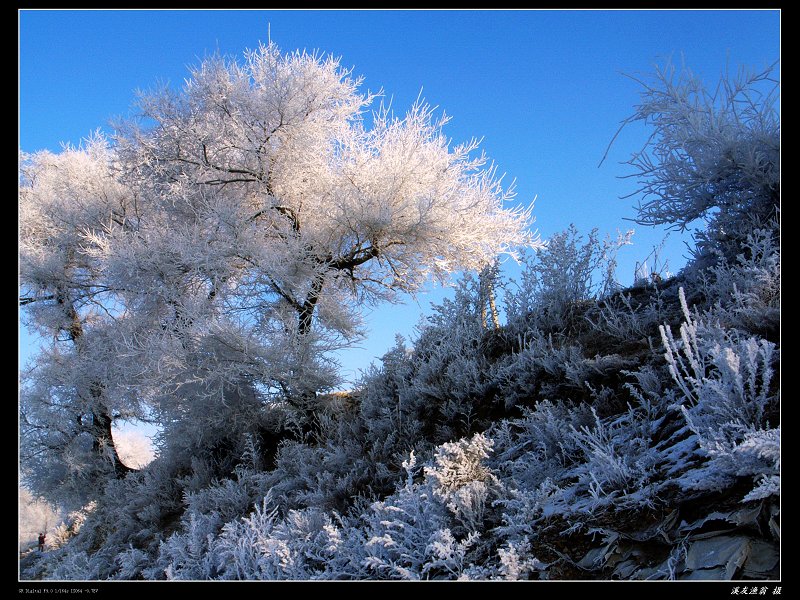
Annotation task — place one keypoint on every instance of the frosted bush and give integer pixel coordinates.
(450, 367)
(724, 377)
(760, 455)
(747, 288)
(412, 534)
(622, 318)
(70, 526)
(726, 383)
(263, 546)
(557, 278)
(619, 461)
(516, 562)
(74, 565)
(186, 555)
(399, 531)
(460, 479)
(524, 507)
(448, 555)
(133, 564)
(756, 456)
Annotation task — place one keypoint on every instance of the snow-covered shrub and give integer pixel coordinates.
(517, 375)
(461, 480)
(747, 288)
(545, 433)
(263, 546)
(557, 279)
(70, 526)
(756, 456)
(400, 532)
(431, 530)
(760, 455)
(128, 514)
(134, 564)
(618, 462)
(524, 508)
(450, 367)
(729, 401)
(228, 498)
(547, 367)
(408, 535)
(186, 555)
(626, 319)
(571, 462)
(440, 391)
(389, 408)
(517, 562)
(326, 476)
(532, 456)
(74, 565)
(725, 377)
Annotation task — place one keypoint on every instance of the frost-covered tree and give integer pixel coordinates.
(712, 155)
(322, 201)
(197, 267)
(70, 395)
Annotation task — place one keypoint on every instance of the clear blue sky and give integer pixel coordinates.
(544, 89)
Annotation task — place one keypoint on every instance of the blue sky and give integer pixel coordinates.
(544, 89)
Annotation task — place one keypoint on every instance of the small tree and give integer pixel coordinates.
(711, 155)
(488, 280)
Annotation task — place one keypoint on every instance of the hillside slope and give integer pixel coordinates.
(632, 436)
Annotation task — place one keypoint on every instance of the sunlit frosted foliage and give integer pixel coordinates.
(199, 269)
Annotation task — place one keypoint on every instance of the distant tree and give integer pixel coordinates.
(488, 280)
(202, 262)
(35, 516)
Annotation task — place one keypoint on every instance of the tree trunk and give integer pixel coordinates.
(306, 400)
(486, 285)
(75, 327)
(100, 429)
(103, 441)
(306, 312)
(493, 308)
